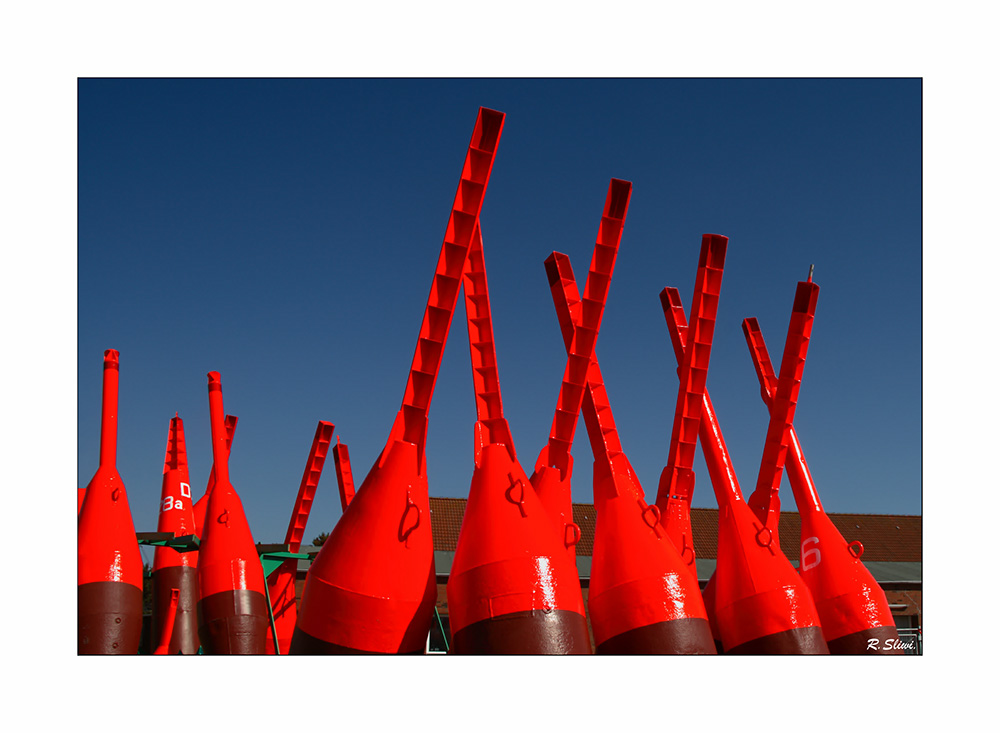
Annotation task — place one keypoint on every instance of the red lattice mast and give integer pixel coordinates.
(677, 479)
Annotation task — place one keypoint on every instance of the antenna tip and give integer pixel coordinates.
(811, 267)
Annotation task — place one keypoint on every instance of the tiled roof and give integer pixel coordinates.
(446, 521)
(886, 537)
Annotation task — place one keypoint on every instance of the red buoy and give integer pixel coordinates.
(643, 599)
(677, 479)
(201, 506)
(232, 611)
(371, 588)
(759, 605)
(176, 572)
(852, 607)
(513, 589)
(109, 564)
(281, 582)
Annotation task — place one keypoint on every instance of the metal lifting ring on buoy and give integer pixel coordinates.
(687, 550)
(655, 511)
(519, 502)
(403, 534)
(858, 552)
(577, 534)
(760, 532)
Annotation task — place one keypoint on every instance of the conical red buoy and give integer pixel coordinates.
(852, 607)
(232, 612)
(176, 571)
(554, 467)
(677, 479)
(167, 633)
(759, 605)
(109, 564)
(513, 589)
(281, 582)
(643, 599)
(371, 588)
(201, 506)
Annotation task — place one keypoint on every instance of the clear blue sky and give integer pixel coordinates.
(285, 232)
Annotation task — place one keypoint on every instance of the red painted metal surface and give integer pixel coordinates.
(345, 478)
(554, 468)
(677, 479)
(513, 589)
(109, 564)
(201, 506)
(765, 500)
(167, 632)
(852, 607)
(80, 493)
(232, 610)
(642, 598)
(281, 583)
(371, 588)
(756, 600)
(176, 571)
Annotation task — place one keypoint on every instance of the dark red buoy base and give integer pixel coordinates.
(680, 636)
(233, 622)
(525, 632)
(109, 618)
(802, 640)
(880, 640)
(303, 643)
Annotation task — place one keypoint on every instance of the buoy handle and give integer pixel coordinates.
(508, 494)
(572, 528)
(405, 533)
(651, 509)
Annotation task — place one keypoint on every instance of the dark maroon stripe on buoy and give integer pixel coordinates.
(525, 632)
(109, 618)
(303, 643)
(803, 640)
(233, 622)
(184, 639)
(679, 636)
(880, 640)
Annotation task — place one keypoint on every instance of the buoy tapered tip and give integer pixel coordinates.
(214, 382)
